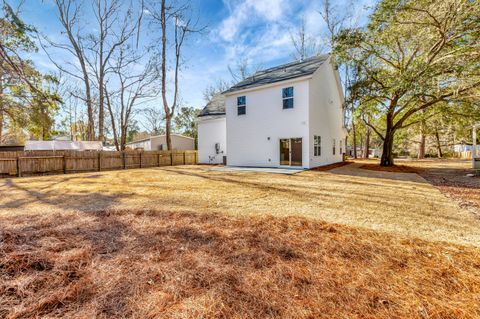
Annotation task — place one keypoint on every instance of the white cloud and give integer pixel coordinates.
(243, 13)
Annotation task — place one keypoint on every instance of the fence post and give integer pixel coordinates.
(158, 159)
(99, 161)
(171, 158)
(184, 158)
(64, 164)
(141, 157)
(124, 157)
(19, 171)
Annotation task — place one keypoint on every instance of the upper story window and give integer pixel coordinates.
(317, 145)
(241, 105)
(287, 96)
(333, 146)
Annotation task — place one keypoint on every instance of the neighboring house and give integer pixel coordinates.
(61, 145)
(159, 143)
(372, 152)
(212, 132)
(287, 116)
(458, 148)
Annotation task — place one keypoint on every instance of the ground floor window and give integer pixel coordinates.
(334, 146)
(317, 145)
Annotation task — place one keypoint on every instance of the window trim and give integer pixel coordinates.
(285, 98)
(241, 108)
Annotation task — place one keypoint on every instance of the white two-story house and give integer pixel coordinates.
(291, 115)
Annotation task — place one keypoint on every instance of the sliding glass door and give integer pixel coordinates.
(291, 151)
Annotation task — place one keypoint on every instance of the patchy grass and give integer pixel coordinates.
(161, 264)
(399, 203)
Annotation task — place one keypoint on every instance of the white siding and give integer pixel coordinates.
(211, 131)
(155, 143)
(146, 145)
(179, 142)
(253, 139)
(326, 116)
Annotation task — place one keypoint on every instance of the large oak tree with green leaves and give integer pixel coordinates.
(27, 98)
(414, 55)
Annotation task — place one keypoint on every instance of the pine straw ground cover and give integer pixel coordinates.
(161, 264)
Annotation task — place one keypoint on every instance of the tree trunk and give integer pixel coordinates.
(123, 138)
(439, 145)
(1, 122)
(366, 146)
(163, 23)
(91, 121)
(360, 138)
(354, 140)
(101, 108)
(421, 147)
(387, 154)
(1, 109)
(168, 120)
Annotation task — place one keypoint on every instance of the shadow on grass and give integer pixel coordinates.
(89, 200)
(158, 264)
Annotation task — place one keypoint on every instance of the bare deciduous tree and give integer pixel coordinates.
(243, 69)
(154, 119)
(68, 12)
(115, 24)
(304, 44)
(183, 26)
(217, 88)
(336, 20)
(134, 87)
(114, 30)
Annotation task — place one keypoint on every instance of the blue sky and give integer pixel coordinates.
(257, 30)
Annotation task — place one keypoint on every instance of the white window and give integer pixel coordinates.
(287, 96)
(317, 145)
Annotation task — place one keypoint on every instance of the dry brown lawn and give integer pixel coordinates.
(187, 242)
(399, 203)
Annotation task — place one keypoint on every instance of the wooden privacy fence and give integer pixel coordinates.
(57, 162)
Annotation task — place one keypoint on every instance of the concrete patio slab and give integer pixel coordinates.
(287, 171)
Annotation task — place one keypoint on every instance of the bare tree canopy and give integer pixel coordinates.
(116, 25)
(305, 45)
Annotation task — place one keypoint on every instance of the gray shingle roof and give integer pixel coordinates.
(281, 73)
(215, 107)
